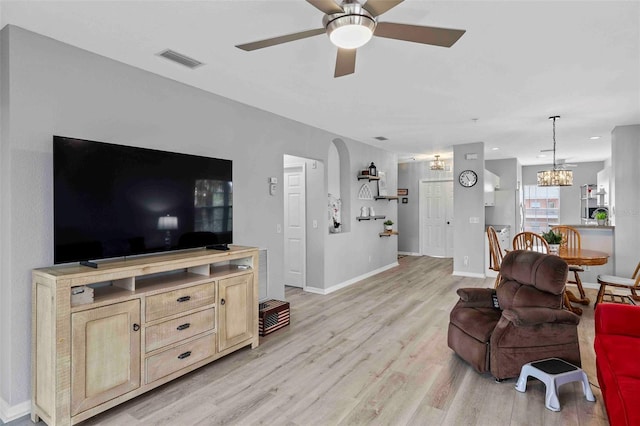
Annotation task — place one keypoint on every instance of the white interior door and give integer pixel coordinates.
(436, 218)
(294, 226)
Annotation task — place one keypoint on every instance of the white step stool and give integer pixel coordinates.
(554, 372)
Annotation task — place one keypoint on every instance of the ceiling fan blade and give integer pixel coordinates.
(562, 162)
(378, 7)
(418, 34)
(345, 62)
(279, 40)
(327, 6)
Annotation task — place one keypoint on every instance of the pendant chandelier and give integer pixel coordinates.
(437, 164)
(555, 177)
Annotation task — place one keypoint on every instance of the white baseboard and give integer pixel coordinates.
(325, 291)
(409, 253)
(9, 413)
(468, 274)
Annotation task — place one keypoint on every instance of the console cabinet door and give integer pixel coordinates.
(105, 354)
(236, 309)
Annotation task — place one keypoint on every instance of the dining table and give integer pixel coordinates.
(580, 257)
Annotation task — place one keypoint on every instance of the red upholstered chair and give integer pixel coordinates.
(500, 330)
(617, 347)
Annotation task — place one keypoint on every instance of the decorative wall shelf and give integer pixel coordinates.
(368, 177)
(388, 233)
(359, 218)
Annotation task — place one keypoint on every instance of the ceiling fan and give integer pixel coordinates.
(560, 162)
(351, 24)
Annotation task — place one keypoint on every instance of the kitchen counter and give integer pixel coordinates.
(593, 226)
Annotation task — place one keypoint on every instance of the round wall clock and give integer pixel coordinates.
(468, 178)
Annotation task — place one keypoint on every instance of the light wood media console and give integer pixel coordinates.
(152, 319)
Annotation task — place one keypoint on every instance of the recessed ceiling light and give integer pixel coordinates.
(495, 148)
(541, 156)
(593, 138)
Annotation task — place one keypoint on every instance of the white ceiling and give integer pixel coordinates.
(518, 63)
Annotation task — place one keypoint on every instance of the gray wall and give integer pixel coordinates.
(6, 291)
(468, 238)
(368, 250)
(625, 153)
(52, 88)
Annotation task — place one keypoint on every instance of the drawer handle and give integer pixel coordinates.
(136, 327)
(184, 355)
(222, 302)
(183, 299)
(183, 326)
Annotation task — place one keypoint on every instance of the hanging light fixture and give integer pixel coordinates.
(555, 177)
(437, 164)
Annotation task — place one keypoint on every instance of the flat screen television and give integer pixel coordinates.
(112, 201)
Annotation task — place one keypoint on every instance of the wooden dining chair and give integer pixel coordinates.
(631, 284)
(530, 241)
(571, 241)
(495, 253)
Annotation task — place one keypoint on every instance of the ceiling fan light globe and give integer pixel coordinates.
(351, 31)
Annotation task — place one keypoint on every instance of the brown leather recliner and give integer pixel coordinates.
(500, 330)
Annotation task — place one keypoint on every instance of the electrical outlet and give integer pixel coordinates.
(279, 228)
(466, 261)
(315, 223)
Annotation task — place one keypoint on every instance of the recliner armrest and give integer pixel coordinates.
(539, 315)
(476, 297)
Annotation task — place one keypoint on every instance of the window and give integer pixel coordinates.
(213, 201)
(541, 208)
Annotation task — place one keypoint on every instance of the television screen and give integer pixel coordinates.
(113, 200)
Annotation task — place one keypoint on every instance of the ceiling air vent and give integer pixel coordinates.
(180, 58)
(381, 138)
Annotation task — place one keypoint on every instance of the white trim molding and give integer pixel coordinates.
(9, 413)
(409, 253)
(325, 291)
(468, 274)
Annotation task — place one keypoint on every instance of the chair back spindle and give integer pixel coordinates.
(530, 241)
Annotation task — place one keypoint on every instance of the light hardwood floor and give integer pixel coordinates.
(373, 353)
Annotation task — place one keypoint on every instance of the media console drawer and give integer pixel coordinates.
(182, 300)
(165, 333)
(172, 360)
